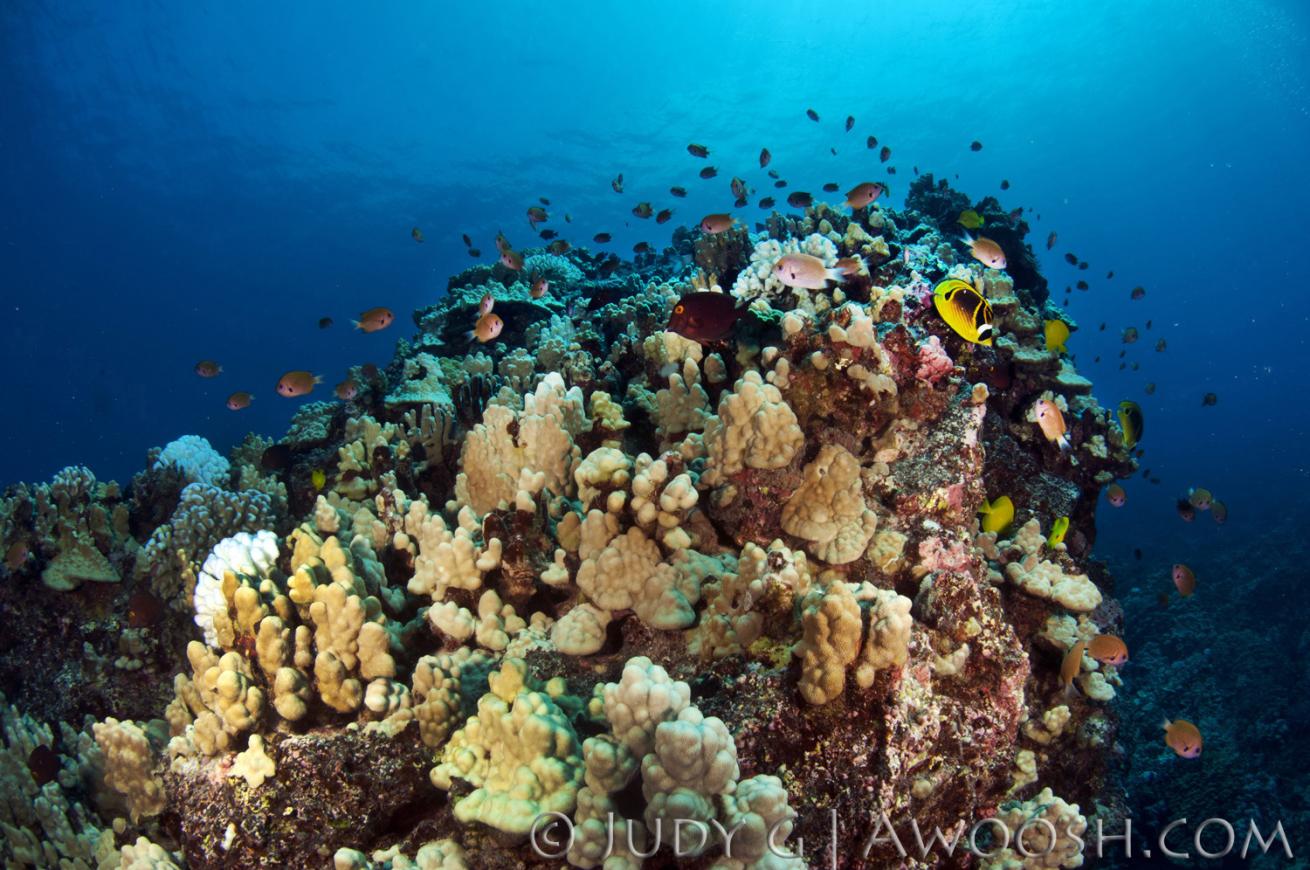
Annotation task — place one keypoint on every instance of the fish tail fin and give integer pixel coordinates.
(1165, 723)
(834, 274)
(1063, 441)
(356, 324)
(968, 237)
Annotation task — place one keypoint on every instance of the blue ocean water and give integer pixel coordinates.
(206, 180)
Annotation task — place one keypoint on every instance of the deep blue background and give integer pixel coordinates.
(182, 181)
(199, 180)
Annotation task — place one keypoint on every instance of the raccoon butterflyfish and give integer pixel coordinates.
(1130, 420)
(964, 310)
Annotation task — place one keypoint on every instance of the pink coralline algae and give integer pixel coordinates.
(934, 363)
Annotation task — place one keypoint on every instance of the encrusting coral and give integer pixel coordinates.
(593, 569)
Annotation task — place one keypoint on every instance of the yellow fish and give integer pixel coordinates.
(970, 219)
(1058, 531)
(1130, 420)
(319, 479)
(1057, 332)
(964, 310)
(997, 515)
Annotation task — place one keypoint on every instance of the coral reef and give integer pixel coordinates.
(591, 571)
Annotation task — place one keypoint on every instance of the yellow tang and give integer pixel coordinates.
(964, 310)
(1130, 420)
(1058, 531)
(997, 515)
(1057, 332)
(319, 479)
(970, 219)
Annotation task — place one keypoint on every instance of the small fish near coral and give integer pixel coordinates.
(705, 317)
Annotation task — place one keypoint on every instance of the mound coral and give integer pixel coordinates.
(593, 572)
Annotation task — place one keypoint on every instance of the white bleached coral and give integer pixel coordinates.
(243, 555)
(198, 461)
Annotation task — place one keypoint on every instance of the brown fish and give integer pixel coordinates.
(547, 235)
(416, 234)
(475, 253)
(324, 322)
(144, 609)
(512, 260)
(468, 243)
(831, 187)
(540, 287)
(502, 243)
(713, 224)
(239, 401)
(1072, 665)
(850, 122)
(765, 157)
(643, 210)
(885, 154)
(663, 216)
(871, 143)
(811, 114)
(601, 238)
(1108, 650)
(617, 183)
(708, 172)
(559, 246)
(16, 555)
(536, 215)
(704, 317)
(863, 194)
(767, 202)
(678, 191)
(1050, 241)
(297, 383)
(1183, 738)
(698, 150)
(276, 458)
(43, 764)
(374, 319)
(487, 328)
(642, 248)
(738, 187)
(347, 390)
(799, 199)
(207, 368)
(1184, 580)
